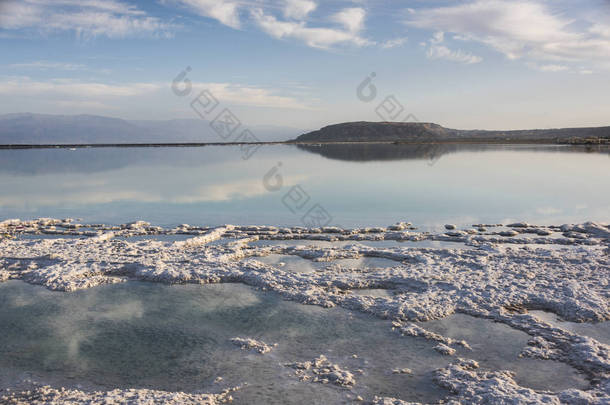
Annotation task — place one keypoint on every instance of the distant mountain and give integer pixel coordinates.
(429, 132)
(29, 128)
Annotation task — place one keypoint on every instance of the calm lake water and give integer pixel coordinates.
(356, 185)
(125, 336)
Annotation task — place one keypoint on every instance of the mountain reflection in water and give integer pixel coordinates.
(365, 152)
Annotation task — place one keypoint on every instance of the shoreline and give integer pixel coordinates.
(204, 144)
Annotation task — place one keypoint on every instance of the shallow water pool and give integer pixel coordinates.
(177, 338)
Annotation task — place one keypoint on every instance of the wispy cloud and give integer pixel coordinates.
(99, 94)
(87, 18)
(394, 43)
(240, 94)
(282, 19)
(437, 50)
(299, 9)
(285, 19)
(45, 65)
(69, 87)
(549, 67)
(225, 11)
(442, 52)
(521, 29)
(351, 20)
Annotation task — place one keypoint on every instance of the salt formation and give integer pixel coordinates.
(402, 371)
(417, 331)
(500, 273)
(47, 395)
(444, 349)
(251, 344)
(322, 371)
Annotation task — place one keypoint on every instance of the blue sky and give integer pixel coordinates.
(496, 64)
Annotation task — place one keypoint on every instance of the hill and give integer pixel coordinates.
(411, 132)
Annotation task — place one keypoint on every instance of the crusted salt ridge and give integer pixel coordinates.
(588, 233)
(48, 395)
(251, 344)
(211, 236)
(444, 349)
(472, 386)
(393, 401)
(321, 370)
(411, 329)
(489, 280)
(499, 387)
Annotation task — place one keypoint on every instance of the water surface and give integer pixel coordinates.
(177, 338)
(357, 185)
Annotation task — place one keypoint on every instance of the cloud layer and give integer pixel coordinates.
(550, 36)
(350, 23)
(530, 30)
(282, 19)
(86, 18)
(101, 96)
(437, 50)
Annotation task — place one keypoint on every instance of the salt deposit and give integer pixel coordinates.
(500, 276)
(321, 370)
(46, 395)
(251, 344)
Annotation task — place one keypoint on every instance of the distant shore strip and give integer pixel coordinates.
(203, 144)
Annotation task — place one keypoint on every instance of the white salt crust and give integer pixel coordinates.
(499, 276)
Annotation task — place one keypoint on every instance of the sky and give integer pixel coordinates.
(486, 64)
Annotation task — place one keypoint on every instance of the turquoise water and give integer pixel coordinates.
(356, 185)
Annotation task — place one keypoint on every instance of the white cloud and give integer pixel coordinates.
(15, 14)
(394, 43)
(520, 29)
(250, 95)
(88, 18)
(112, 6)
(294, 24)
(351, 19)
(118, 18)
(222, 10)
(299, 9)
(97, 94)
(437, 50)
(25, 86)
(552, 68)
(48, 65)
(602, 30)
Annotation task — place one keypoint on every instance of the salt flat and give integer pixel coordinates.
(500, 274)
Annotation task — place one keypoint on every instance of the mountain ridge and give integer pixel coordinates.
(40, 129)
